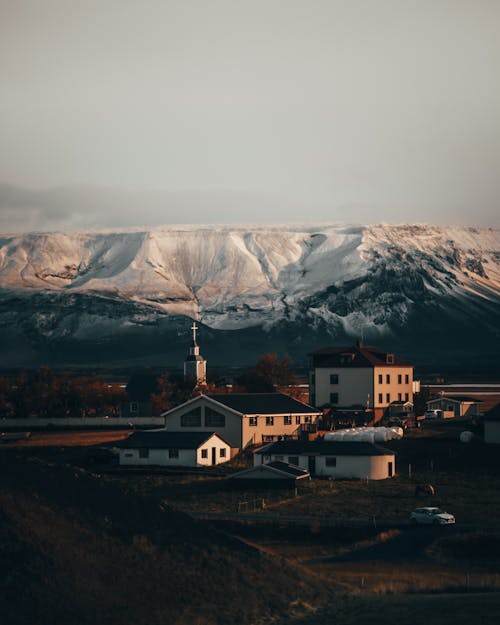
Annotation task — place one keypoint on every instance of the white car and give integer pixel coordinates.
(431, 516)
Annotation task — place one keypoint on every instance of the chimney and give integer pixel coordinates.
(359, 343)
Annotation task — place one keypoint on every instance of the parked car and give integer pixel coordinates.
(431, 516)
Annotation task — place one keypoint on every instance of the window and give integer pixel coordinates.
(214, 419)
(380, 398)
(380, 378)
(331, 461)
(252, 421)
(293, 460)
(297, 419)
(307, 418)
(134, 406)
(269, 420)
(334, 378)
(400, 397)
(407, 397)
(143, 453)
(128, 454)
(389, 359)
(334, 398)
(173, 453)
(400, 378)
(346, 359)
(279, 458)
(222, 452)
(191, 419)
(407, 379)
(388, 398)
(204, 453)
(287, 420)
(388, 379)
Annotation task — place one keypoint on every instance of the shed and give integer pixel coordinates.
(273, 475)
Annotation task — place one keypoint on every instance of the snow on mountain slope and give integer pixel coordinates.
(234, 277)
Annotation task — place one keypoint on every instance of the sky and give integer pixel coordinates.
(120, 113)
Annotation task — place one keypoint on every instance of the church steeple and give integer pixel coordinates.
(195, 366)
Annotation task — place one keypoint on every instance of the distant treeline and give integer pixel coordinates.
(44, 393)
(48, 394)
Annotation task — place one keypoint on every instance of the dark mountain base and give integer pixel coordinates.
(88, 331)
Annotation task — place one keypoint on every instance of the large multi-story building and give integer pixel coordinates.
(359, 376)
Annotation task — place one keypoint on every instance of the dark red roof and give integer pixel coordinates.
(356, 356)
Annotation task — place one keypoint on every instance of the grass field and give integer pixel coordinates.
(439, 576)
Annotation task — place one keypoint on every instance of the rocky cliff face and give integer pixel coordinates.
(127, 297)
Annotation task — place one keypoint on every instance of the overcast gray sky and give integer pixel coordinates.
(121, 113)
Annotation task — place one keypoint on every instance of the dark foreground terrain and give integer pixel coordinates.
(84, 547)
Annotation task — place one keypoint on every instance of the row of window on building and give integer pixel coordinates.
(216, 420)
(174, 453)
(334, 398)
(334, 378)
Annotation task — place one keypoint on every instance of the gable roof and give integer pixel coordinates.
(493, 414)
(277, 469)
(263, 403)
(457, 398)
(325, 448)
(360, 356)
(162, 439)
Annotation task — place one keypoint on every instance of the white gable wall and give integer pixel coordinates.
(231, 432)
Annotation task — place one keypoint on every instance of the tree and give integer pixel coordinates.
(268, 373)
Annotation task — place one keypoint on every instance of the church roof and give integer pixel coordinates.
(263, 403)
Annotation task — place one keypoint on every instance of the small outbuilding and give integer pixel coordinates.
(335, 459)
(186, 449)
(491, 422)
(455, 406)
(273, 475)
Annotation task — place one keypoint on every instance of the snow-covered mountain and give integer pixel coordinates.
(85, 296)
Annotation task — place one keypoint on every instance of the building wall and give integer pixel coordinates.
(231, 432)
(256, 434)
(186, 457)
(347, 467)
(355, 386)
(397, 391)
(492, 432)
(158, 457)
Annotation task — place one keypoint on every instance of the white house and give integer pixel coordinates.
(341, 460)
(359, 376)
(455, 406)
(491, 421)
(161, 448)
(243, 418)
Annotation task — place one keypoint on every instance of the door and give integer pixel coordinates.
(311, 464)
(389, 469)
(214, 455)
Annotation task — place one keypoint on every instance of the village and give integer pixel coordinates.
(362, 476)
(360, 406)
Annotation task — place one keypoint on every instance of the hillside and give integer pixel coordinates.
(78, 551)
(76, 298)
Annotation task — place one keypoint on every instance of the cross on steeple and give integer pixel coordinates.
(194, 327)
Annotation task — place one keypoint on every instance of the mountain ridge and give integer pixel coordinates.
(341, 281)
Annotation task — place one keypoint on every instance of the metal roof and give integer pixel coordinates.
(325, 448)
(162, 439)
(263, 403)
